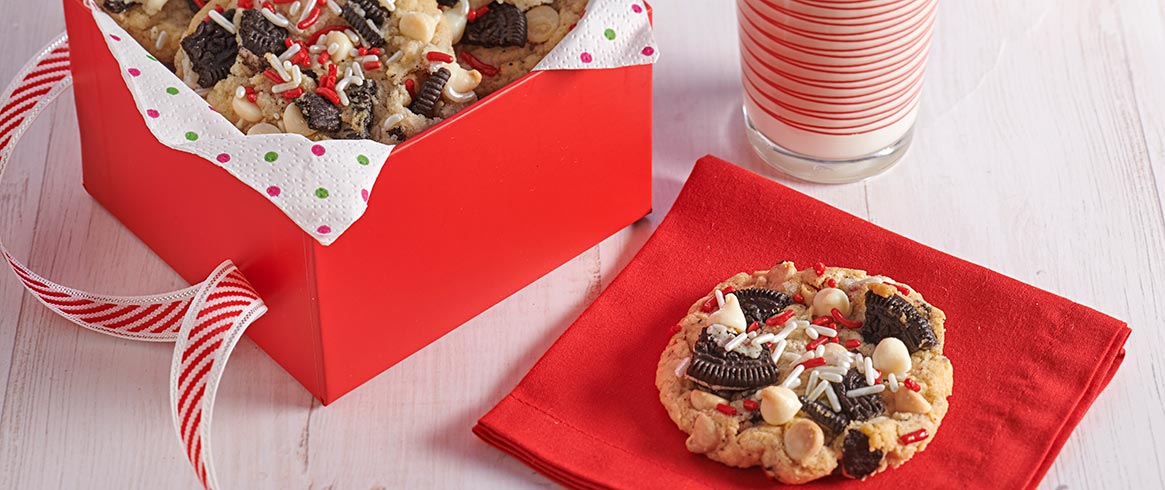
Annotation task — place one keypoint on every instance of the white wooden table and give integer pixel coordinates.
(1039, 153)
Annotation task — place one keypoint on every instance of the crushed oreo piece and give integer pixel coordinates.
(823, 415)
(857, 460)
(359, 23)
(426, 100)
(260, 36)
(397, 133)
(373, 10)
(194, 7)
(896, 317)
(759, 304)
(212, 51)
(116, 6)
(319, 113)
(502, 25)
(858, 408)
(447, 3)
(730, 372)
(361, 100)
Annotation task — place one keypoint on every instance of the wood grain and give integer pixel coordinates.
(1039, 153)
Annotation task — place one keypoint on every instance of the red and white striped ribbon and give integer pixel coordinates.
(205, 321)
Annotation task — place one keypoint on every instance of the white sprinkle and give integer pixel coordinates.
(736, 341)
(870, 375)
(335, 7)
(818, 390)
(332, 48)
(859, 363)
(795, 384)
(844, 365)
(295, 6)
(779, 350)
(275, 18)
(793, 376)
(869, 390)
(342, 84)
(240, 92)
(358, 72)
(222, 21)
(458, 97)
(719, 299)
(826, 331)
(395, 56)
(820, 350)
(292, 51)
(834, 377)
(355, 38)
(830, 369)
(276, 65)
(789, 327)
(283, 87)
(787, 356)
(360, 10)
(833, 402)
(344, 100)
(683, 367)
(390, 5)
(306, 12)
(805, 357)
(315, 49)
(296, 75)
(813, 377)
(161, 40)
(373, 26)
(763, 338)
(812, 333)
(391, 121)
(893, 380)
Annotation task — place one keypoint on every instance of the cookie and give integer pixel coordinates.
(547, 22)
(158, 25)
(502, 25)
(212, 50)
(860, 383)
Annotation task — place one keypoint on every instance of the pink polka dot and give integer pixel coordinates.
(212, 108)
(636, 8)
(364, 194)
(134, 72)
(114, 37)
(586, 58)
(324, 230)
(318, 150)
(273, 191)
(153, 113)
(648, 51)
(223, 158)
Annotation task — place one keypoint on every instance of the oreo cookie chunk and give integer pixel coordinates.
(447, 3)
(824, 416)
(857, 460)
(361, 99)
(730, 372)
(116, 6)
(362, 23)
(373, 10)
(861, 407)
(893, 316)
(259, 36)
(212, 51)
(760, 304)
(320, 114)
(425, 103)
(502, 25)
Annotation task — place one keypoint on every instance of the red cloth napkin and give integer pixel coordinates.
(588, 415)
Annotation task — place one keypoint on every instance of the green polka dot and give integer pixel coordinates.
(322, 193)
(171, 90)
(362, 160)
(609, 34)
(151, 57)
(271, 156)
(192, 136)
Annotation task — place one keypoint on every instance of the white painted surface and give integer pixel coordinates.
(1039, 154)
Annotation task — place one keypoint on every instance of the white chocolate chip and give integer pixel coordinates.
(418, 26)
(803, 440)
(246, 109)
(343, 46)
(705, 436)
(541, 22)
(908, 401)
(730, 315)
(891, 356)
(702, 400)
(778, 405)
(829, 298)
(264, 128)
(152, 7)
(461, 83)
(456, 18)
(294, 122)
(835, 353)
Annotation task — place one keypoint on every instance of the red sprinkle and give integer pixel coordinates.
(329, 94)
(726, 409)
(853, 344)
(315, 38)
(751, 405)
(274, 77)
(438, 56)
(910, 383)
(311, 19)
(819, 268)
(728, 289)
(252, 98)
(915, 436)
(754, 327)
(845, 322)
(476, 14)
(372, 65)
(798, 298)
(268, 6)
(324, 58)
(411, 87)
(834, 340)
(903, 289)
(816, 342)
(374, 51)
(832, 282)
(779, 319)
(243, 4)
(822, 321)
(292, 94)
(219, 9)
(709, 304)
(816, 361)
(363, 51)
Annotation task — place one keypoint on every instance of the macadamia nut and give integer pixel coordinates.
(541, 22)
(778, 405)
(891, 356)
(829, 298)
(803, 440)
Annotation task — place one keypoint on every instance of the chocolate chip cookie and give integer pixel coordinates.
(808, 373)
(158, 25)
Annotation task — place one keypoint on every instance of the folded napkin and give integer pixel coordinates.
(588, 415)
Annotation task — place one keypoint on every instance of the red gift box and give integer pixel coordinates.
(461, 217)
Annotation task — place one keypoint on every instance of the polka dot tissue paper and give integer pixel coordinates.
(324, 186)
